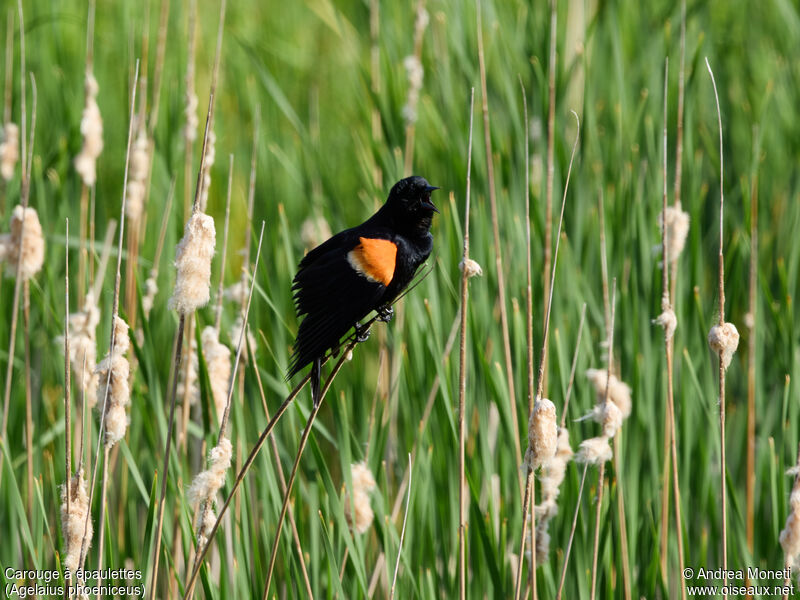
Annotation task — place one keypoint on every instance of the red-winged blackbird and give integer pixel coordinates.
(359, 270)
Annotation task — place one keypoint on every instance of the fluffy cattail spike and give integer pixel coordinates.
(193, 263)
(361, 516)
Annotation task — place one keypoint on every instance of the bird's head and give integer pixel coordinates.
(410, 204)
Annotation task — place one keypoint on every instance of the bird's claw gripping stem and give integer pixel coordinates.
(385, 313)
(362, 332)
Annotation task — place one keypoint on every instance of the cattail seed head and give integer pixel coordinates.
(193, 263)
(113, 373)
(31, 241)
(553, 472)
(472, 268)
(619, 392)
(73, 522)
(724, 339)
(668, 320)
(207, 483)
(92, 132)
(542, 434)
(9, 150)
(236, 292)
(594, 451)
(150, 291)
(205, 486)
(677, 230)
(83, 346)
(610, 417)
(218, 360)
(137, 176)
(363, 483)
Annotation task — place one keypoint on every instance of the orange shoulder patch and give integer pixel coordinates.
(374, 259)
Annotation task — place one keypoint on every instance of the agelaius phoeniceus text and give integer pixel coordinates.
(359, 270)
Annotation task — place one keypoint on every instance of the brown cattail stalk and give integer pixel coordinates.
(669, 322)
(462, 374)
(501, 286)
(551, 122)
(539, 450)
(723, 339)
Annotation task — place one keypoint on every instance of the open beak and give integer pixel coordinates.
(426, 202)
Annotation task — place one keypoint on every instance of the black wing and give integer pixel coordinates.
(332, 295)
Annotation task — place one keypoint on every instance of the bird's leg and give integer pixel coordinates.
(385, 313)
(316, 373)
(362, 332)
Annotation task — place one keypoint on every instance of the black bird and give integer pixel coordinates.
(359, 270)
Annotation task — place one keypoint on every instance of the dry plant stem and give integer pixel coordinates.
(528, 268)
(114, 312)
(679, 140)
(240, 477)
(405, 516)
(218, 308)
(462, 380)
(251, 192)
(571, 533)
(67, 403)
(596, 545)
(282, 481)
(665, 262)
(723, 467)
(529, 316)
(501, 286)
(751, 347)
(528, 494)
(551, 121)
(303, 440)
(574, 366)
